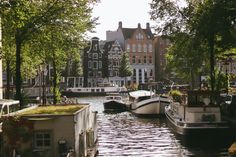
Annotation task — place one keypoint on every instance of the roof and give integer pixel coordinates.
(140, 93)
(108, 45)
(9, 102)
(53, 110)
(128, 32)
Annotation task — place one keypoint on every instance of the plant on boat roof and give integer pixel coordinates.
(176, 95)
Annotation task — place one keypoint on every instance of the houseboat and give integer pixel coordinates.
(198, 113)
(147, 104)
(101, 90)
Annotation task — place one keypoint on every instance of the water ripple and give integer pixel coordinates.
(124, 135)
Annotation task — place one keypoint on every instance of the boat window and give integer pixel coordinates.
(118, 98)
(4, 109)
(143, 98)
(109, 98)
(97, 90)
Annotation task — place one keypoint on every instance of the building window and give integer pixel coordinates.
(100, 55)
(151, 72)
(90, 55)
(128, 47)
(116, 50)
(144, 47)
(139, 36)
(95, 64)
(95, 47)
(144, 59)
(139, 48)
(89, 64)
(95, 56)
(139, 60)
(42, 139)
(90, 74)
(99, 74)
(134, 60)
(133, 48)
(150, 59)
(110, 73)
(150, 47)
(100, 64)
(134, 74)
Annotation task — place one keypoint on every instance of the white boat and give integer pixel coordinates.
(115, 103)
(199, 114)
(146, 103)
(101, 90)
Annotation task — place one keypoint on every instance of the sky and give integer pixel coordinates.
(110, 12)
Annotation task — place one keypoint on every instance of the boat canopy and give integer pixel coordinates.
(140, 93)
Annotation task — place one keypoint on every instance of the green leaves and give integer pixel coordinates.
(125, 69)
(208, 26)
(51, 30)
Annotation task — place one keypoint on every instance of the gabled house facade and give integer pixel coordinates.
(139, 44)
(93, 64)
(113, 52)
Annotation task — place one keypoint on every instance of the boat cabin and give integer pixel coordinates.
(8, 106)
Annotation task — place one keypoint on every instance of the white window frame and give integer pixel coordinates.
(133, 47)
(44, 140)
(139, 48)
(144, 47)
(128, 47)
(150, 47)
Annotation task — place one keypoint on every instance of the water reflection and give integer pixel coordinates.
(123, 134)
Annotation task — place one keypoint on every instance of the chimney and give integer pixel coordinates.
(147, 25)
(139, 25)
(120, 24)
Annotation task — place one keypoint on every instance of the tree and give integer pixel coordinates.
(185, 57)
(31, 18)
(210, 21)
(125, 68)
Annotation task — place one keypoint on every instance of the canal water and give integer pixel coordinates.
(124, 135)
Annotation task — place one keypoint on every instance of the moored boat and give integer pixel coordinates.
(147, 104)
(101, 90)
(114, 103)
(199, 114)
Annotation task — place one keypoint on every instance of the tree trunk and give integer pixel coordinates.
(18, 69)
(212, 62)
(56, 92)
(8, 70)
(192, 79)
